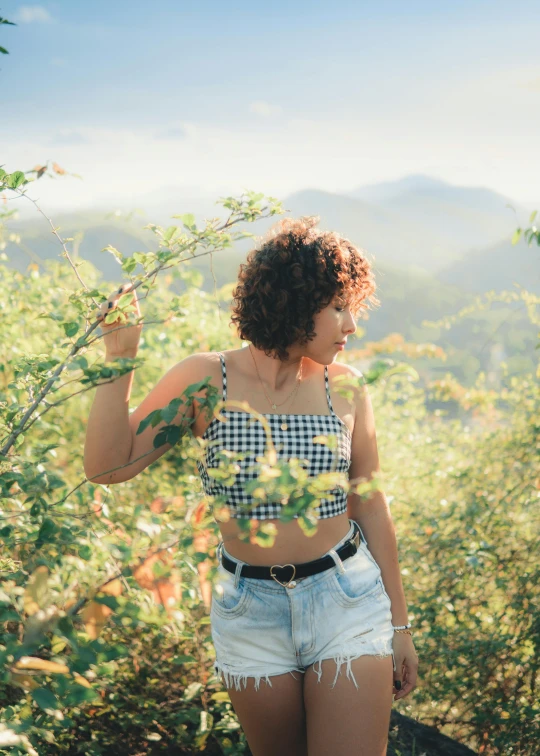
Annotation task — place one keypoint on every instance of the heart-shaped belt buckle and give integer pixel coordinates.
(281, 566)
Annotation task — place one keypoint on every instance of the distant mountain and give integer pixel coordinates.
(385, 190)
(388, 236)
(421, 185)
(417, 223)
(462, 217)
(91, 231)
(401, 249)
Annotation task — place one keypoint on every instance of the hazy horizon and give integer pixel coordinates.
(209, 99)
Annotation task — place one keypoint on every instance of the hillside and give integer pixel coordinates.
(496, 267)
(463, 217)
(423, 270)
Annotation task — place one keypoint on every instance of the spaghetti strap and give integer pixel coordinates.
(224, 375)
(327, 384)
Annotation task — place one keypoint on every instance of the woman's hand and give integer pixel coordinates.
(120, 341)
(406, 664)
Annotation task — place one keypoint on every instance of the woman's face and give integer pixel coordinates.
(333, 325)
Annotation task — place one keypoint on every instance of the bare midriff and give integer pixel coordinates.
(291, 545)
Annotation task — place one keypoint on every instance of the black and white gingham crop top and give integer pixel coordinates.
(241, 432)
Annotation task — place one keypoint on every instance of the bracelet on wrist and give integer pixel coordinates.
(402, 628)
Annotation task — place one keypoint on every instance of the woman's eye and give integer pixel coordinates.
(340, 309)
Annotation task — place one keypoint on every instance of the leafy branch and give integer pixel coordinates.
(175, 246)
(529, 233)
(11, 23)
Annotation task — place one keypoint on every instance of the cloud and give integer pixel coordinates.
(175, 132)
(67, 137)
(29, 14)
(454, 139)
(263, 108)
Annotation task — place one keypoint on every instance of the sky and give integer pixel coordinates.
(213, 98)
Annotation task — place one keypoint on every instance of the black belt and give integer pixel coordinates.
(304, 569)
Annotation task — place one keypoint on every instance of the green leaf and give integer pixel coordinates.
(154, 418)
(80, 694)
(160, 439)
(85, 552)
(47, 530)
(221, 695)
(44, 698)
(169, 233)
(184, 659)
(517, 236)
(188, 219)
(129, 265)
(110, 601)
(533, 216)
(71, 328)
(9, 615)
(118, 255)
(192, 690)
(171, 410)
(14, 180)
(4, 51)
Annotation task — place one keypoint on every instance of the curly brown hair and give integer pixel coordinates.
(292, 274)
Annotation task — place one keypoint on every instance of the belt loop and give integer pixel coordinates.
(237, 572)
(239, 563)
(360, 531)
(335, 556)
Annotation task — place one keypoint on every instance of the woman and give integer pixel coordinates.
(311, 634)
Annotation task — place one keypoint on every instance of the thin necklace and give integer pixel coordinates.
(295, 389)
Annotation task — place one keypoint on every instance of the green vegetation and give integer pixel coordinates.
(3, 50)
(423, 273)
(104, 634)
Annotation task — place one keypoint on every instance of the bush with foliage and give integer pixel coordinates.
(105, 643)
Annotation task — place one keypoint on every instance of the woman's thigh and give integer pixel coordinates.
(344, 720)
(273, 717)
(257, 663)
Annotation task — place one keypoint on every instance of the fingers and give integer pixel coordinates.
(110, 303)
(405, 686)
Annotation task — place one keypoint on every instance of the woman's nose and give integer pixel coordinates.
(350, 324)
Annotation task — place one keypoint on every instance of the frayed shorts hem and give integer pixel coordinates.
(235, 679)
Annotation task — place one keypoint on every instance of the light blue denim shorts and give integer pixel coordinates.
(261, 628)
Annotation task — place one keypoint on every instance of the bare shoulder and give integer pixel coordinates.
(185, 374)
(200, 363)
(196, 368)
